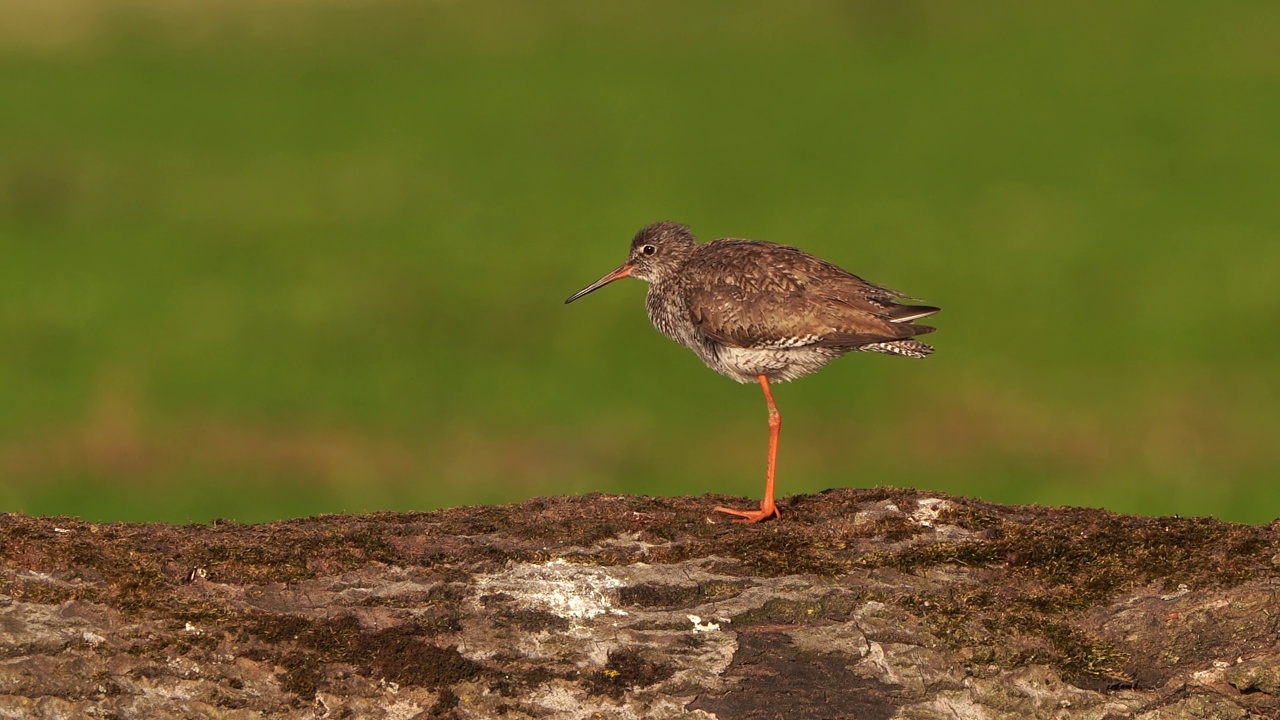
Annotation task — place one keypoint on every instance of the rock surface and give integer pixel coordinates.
(876, 604)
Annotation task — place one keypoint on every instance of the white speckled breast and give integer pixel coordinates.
(746, 364)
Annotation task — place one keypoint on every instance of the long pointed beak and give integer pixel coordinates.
(623, 270)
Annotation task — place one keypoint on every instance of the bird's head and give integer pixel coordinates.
(657, 252)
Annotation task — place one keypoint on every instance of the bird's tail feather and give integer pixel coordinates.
(908, 348)
(907, 313)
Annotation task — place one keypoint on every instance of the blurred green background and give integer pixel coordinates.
(269, 259)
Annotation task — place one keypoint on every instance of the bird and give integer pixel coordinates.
(761, 312)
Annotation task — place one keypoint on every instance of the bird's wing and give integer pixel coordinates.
(733, 316)
(760, 295)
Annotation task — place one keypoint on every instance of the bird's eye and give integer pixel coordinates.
(648, 249)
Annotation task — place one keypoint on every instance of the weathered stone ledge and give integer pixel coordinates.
(877, 604)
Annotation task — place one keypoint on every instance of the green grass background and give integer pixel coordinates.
(261, 260)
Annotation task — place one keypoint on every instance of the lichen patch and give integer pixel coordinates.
(566, 590)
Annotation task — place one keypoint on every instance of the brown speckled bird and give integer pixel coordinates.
(756, 311)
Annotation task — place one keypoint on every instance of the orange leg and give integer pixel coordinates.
(767, 508)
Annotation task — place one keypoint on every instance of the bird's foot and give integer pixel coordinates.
(767, 510)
